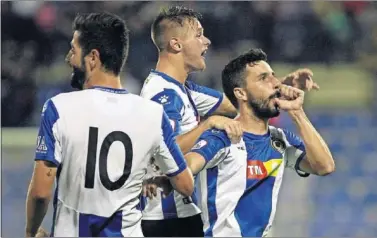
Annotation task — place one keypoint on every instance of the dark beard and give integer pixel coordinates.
(261, 108)
(78, 78)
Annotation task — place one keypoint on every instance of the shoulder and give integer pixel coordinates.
(156, 84)
(216, 136)
(285, 135)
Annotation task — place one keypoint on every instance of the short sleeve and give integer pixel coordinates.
(212, 146)
(48, 141)
(173, 106)
(207, 100)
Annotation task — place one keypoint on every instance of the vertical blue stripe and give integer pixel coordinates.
(169, 140)
(253, 210)
(212, 175)
(55, 201)
(168, 206)
(89, 225)
(173, 105)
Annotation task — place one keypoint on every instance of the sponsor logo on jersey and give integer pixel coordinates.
(163, 99)
(41, 144)
(278, 145)
(199, 145)
(257, 169)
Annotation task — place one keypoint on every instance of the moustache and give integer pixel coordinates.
(277, 94)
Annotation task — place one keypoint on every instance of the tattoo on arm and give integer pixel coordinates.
(49, 173)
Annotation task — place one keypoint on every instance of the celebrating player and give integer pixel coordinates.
(97, 142)
(239, 182)
(179, 38)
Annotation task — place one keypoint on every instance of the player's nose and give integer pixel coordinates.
(207, 42)
(276, 83)
(68, 57)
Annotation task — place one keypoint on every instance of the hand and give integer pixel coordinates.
(232, 127)
(301, 79)
(150, 186)
(291, 98)
(42, 233)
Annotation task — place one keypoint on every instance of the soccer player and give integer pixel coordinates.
(239, 182)
(97, 142)
(179, 38)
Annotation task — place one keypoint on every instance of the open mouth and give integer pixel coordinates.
(204, 53)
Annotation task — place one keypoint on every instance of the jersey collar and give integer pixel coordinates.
(110, 90)
(169, 79)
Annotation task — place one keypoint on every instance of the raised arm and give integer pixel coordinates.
(317, 158)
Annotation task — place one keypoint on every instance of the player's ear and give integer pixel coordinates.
(240, 94)
(93, 59)
(175, 44)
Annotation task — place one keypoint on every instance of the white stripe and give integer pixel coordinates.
(275, 193)
(203, 199)
(57, 145)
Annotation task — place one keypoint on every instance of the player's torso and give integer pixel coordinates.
(107, 140)
(241, 192)
(175, 205)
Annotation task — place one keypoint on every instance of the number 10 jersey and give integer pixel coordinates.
(101, 140)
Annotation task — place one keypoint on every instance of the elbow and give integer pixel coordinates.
(184, 183)
(40, 194)
(187, 191)
(326, 169)
(41, 197)
(187, 188)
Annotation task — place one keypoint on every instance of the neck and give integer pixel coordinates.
(172, 66)
(252, 123)
(104, 80)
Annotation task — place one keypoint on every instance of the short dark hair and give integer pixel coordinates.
(233, 73)
(106, 33)
(174, 14)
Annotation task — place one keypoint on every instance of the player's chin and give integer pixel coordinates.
(200, 66)
(274, 110)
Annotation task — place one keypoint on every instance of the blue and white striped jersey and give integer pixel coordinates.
(184, 104)
(101, 140)
(240, 183)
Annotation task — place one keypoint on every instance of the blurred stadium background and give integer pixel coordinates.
(337, 40)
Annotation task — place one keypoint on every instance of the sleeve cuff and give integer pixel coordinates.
(202, 153)
(181, 167)
(44, 158)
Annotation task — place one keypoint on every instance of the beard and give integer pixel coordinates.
(78, 78)
(262, 108)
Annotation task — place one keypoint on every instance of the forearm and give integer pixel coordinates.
(36, 208)
(317, 152)
(187, 141)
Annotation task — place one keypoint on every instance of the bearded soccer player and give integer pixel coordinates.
(182, 45)
(97, 142)
(239, 182)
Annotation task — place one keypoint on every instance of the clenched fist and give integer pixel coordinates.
(291, 98)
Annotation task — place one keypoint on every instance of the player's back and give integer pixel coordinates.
(107, 137)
